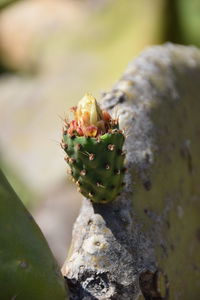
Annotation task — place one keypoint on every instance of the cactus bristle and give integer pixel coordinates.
(111, 147)
(91, 156)
(117, 172)
(100, 185)
(83, 172)
(94, 148)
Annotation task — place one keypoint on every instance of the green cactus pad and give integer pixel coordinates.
(28, 270)
(96, 164)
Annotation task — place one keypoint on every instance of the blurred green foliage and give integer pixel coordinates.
(189, 21)
(4, 3)
(182, 22)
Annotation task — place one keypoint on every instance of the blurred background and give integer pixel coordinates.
(51, 53)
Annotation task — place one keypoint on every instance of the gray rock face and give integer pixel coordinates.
(147, 240)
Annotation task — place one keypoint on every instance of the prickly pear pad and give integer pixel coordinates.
(97, 166)
(97, 160)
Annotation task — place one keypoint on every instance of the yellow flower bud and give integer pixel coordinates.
(88, 111)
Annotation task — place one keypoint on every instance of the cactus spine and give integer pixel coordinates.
(93, 143)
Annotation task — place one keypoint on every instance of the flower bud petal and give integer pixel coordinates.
(88, 112)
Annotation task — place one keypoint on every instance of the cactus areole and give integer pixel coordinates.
(93, 143)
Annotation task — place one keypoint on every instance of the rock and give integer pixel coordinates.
(147, 240)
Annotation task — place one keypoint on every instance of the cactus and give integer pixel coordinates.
(93, 143)
(27, 267)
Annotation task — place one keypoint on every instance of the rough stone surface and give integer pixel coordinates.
(147, 240)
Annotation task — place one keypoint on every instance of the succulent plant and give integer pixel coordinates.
(93, 143)
(27, 267)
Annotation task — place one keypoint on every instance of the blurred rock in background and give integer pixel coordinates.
(51, 53)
